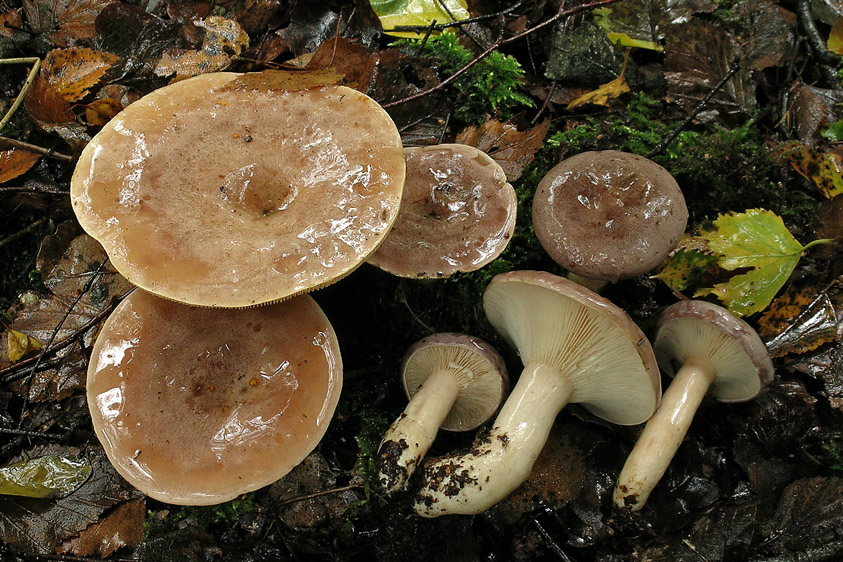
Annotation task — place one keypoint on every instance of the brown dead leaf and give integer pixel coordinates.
(72, 71)
(811, 109)
(512, 149)
(224, 40)
(100, 112)
(287, 80)
(830, 213)
(16, 162)
(46, 105)
(66, 22)
(9, 22)
(123, 526)
(348, 57)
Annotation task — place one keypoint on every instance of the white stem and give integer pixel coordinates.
(410, 436)
(474, 482)
(663, 434)
(591, 284)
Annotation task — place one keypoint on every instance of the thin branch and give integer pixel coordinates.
(662, 146)
(25, 433)
(460, 24)
(36, 66)
(496, 45)
(317, 494)
(24, 231)
(48, 152)
(32, 189)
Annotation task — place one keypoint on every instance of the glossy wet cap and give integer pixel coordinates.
(586, 338)
(479, 369)
(457, 214)
(224, 190)
(609, 215)
(195, 406)
(702, 331)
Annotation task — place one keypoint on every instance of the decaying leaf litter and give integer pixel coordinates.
(530, 83)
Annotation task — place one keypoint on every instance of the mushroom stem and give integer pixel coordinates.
(410, 436)
(474, 482)
(663, 434)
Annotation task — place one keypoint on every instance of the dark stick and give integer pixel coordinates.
(702, 105)
(48, 152)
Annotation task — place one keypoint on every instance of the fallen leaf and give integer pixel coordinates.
(19, 345)
(66, 22)
(38, 525)
(823, 169)
(799, 321)
(757, 239)
(810, 110)
(46, 105)
(122, 526)
(830, 213)
(767, 35)
(784, 310)
(49, 476)
(135, 35)
(608, 91)
(287, 80)
(809, 514)
(349, 58)
(686, 265)
(642, 23)
(99, 112)
(16, 162)
(825, 365)
(835, 38)
(512, 149)
(224, 40)
(72, 71)
(417, 13)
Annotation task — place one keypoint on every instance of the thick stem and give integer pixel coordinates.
(663, 434)
(410, 436)
(476, 481)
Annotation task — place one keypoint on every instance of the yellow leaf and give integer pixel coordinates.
(417, 13)
(72, 71)
(823, 169)
(100, 112)
(606, 92)
(19, 345)
(835, 38)
(15, 162)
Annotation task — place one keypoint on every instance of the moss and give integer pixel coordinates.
(213, 517)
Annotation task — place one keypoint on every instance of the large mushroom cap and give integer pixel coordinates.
(703, 331)
(198, 405)
(609, 215)
(223, 190)
(457, 214)
(593, 344)
(479, 370)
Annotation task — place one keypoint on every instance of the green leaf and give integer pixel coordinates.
(49, 476)
(684, 268)
(757, 239)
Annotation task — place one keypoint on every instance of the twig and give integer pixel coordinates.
(48, 152)
(69, 558)
(426, 37)
(545, 103)
(828, 60)
(24, 433)
(317, 494)
(557, 550)
(12, 237)
(496, 45)
(10, 374)
(36, 66)
(460, 24)
(662, 146)
(444, 128)
(32, 189)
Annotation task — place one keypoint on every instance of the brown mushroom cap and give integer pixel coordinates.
(609, 215)
(479, 370)
(223, 191)
(195, 405)
(700, 330)
(457, 214)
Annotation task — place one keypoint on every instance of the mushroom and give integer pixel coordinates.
(576, 347)
(455, 382)
(608, 215)
(195, 406)
(457, 214)
(228, 190)
(705, 348)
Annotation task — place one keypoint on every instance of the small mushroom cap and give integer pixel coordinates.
(479, 369)
(609, 215)
(457, 214)
(591, 342)
(195, 406)
(702, 331)
(223, 190)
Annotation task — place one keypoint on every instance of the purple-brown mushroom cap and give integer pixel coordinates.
(609, 215)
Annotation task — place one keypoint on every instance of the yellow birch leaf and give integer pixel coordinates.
(835, 38)
(606, 92)
(822, 169)
(417, 13)
(19, 345)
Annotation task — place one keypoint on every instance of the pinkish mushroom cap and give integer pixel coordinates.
(457, 214)
(227, 190)
(195, 406)
(609, 215)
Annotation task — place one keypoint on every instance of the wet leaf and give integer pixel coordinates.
(835, 38)
(224, 40)
(831, 216)
(608, 91)
(757, 239)
(50, 476)
(66, 22)
(823, 169)
(38, 525)
(16, 162)
(798, 322)
(122, 526)
(72, 71)
(766, 34)
(135, 35)
(698, 55)
(809, 514)
(350, 58)
(826, 365)
(512, 149)
(397, 13)
(99, 112)
(809, 111)
(46, 105)
(687, 264)
(642, 23)
(19, 345)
